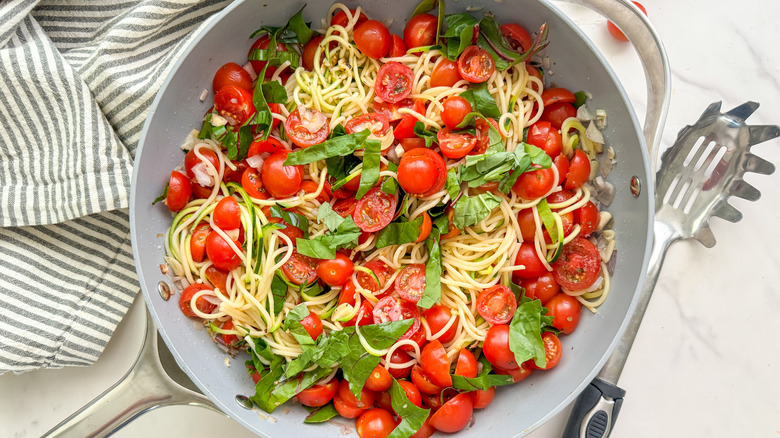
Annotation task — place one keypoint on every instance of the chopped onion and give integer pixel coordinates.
(251, 70)
(594, 134)
(595, 286)
(202, 175)
(217, 120)
(606, 191)
(233, 234)
(584, 114)
(601, 118)
(256, 161)
(312, 120)
(204, 94)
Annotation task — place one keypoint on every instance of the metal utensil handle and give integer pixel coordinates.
(145, 386)
(652, 54)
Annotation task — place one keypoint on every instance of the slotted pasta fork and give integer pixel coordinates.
(703, 168)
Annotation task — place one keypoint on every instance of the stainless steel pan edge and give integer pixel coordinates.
(176, 110)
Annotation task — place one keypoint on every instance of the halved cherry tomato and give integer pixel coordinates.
(201, 303)
(412, 393)
(376, 122)
(435, 363)
(552, 351)
(373, 39)
(476, 65)
(382, 271)
(226, 338)
(392, 308)
(410, 282)
(234, 104)
(344, 409)
(467, 364)
(192, 164)
(518, 374)
(542, 135)
(259, 146)
(293, 233)
(313, 325)
(482, 133)
(525, 218)
(405, 128)
(399, 47)
(336, 271)
(375, 423)
(179, 191)
(280, 180)
(542, 289)
(217, 277)
(455, 109)
(552, 96)
(445, 73)
(375, 210)
(198, 241)
(527, 257)
(262, 43)
(534, 184)
(420, 31)
(496, 348)
(453, 415)
(384, 400)
(364, 315)
(300, 269)
(253, 184)
(423, 382)
(483, 397)
(412, 143)
(579, 171)
(309, 50)
(345, 207)
(565, 311)
(400, 357)
(497, 304)
(227, 214)
(452, 231)
(235, 175)
(437, 317)
(306, 127)
(309, 186)
(558, 112)
(393, 82)
(422, 172)
(518, 38)
(318, 395)
(562, 164)
(391, 110)
(533, 71)
(365, 401)
(425, 227)
(341, 19)
(379, 379)
(455, 145)
(588, 218)
(615, 32)
(231, 74)
(426, 430)
(221, 253)
(578, 266)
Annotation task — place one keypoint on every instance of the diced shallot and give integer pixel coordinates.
(202, 175)
(311, 120)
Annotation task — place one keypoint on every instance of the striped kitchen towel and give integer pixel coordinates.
(76, 82)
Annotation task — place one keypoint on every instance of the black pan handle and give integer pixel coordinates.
(595, 411)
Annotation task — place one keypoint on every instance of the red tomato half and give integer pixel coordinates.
(578, 266)
(542, 289)
(455, 110)
(379, 379)
(198, 241)
(318, 395)
(476, 65)
(565, 311)
(518, 38)
(422, 172)
(423, 382)
(410, 282)
(259, 146)
(234, 104)
(467, 365)
(518, 374)
(615, 32)
(400, 357)
(313, 325)
(345, 207)
(436, 365)
(262, 43)
(395, 309)
(588, 218)
(391, 109)
(382, 271)
(558, 112)
(542, 135)
(307, 58)
(552, 96)
(231, 74)
(527, 257)
(482, 132)
(420, 31)
(340, 18)
(192, 162)
(497, 304)
(179, 191)
(376, 122)
(375, 210)
(552, 351)
(483, 397)
(405, 128)
(217, 277)
(306, 127)
(394, 82)
(373, 39)
(579, 171)
(455, 145)
(496, 348)
(437, 317)
(227, 214)
(300, 269)
(366, 399)
(399, 47)
(221, 253)
(201, 303)
(453, 415)
(253, 184)
(364, 315)
(280, 180)
(445, 73)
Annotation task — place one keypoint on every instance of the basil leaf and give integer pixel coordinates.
(429, 136)
(300, 28)
(263, 117)
(545, 214)
(579, 98)
(321, 414)
(338, 146)
(245, 139)
(518, 290)
(330, 218)
(279, 292)
(538, 156)
(398, 233)
(369, 175)
(271, 392)
(340, 167)
(163, 195)
(297, 314)
(433, 268)
(274, 92)
(469, 210)
(525, 333)
(259, 348)
(326, 354)
(206, 129)
(453, 182)
(293, 219)
(390, 186)
(423, 7)
(275, 57)
(412, 417)
(345, 235)
(460, 32)
(481, 100)
(480, 382)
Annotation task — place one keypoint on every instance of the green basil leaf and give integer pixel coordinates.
(480, 382)
(469, 210)
(297, 314)
(272, 391)
(206, 129)
(321, 414)
(429, 136)
(545, 214)
(275, 57)
(325, 246)
(423, 7)
(433, 270)
(163, 195)
(330, 218)
(579, 98)
(412, 417)
(538, 156)
(245, 139)
(338, 146)
(279, 292)
(263, 117)
(453, 182)
(525, 333)
(369, 175)
(340, 167)
(390, 186)
(398, 233)
(460, 32)
(481, 100)
(518, 290)
(274, 92)
(294, 219)
(300, 28)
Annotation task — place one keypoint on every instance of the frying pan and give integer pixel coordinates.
(576, 64)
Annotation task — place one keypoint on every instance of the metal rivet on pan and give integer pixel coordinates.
(244, 401)
(636, 186)
(164, 289)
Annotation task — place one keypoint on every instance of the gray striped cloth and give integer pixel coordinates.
(76, 82)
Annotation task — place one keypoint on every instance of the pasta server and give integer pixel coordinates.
(697, 175)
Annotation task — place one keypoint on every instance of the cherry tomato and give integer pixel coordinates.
(391, 110)
(193, 163)
(376, 122)
(293, 233)
(252, 183)
(542, 135)
(399, 47)
(497, 304)
(452, 231)
(345, 207)
(313, 325)
(221, 253)
(279, 180)
(259, 146)
(412, 143)
(565, 311)
(518, 374)
(405, 128)
(235, 175)
(410, 282)
(375, 423)
(445, 73)
(420, 31)
(318, 395)
(412, 393)
(534, 184)
(422, 172)
(558, 112)
(482, 132)
(229, 340)
(227, 214)
(364, 315)
(455, 110)
(201, 303)
(393, 82)
(615, 32)
(552, 351)
(562, 164)
(307, 58)
(300, 269)
(392, 308)
(423, 382)
(578, 266)
(542, 289)
(435, 363)
(365, 401)
(306, 127)
(437, 317)
(179, 191)
(341, 19)
(426, 430)
(496, 348)
(309, 186)
(518, 38)
(579, 171)
(559, 197)
(400, 357)
(344, 409)
(382, 271)
(217, 277)
(198, 241)
(453, 415)
(476, 65)
(373, 39)
(455, 145)
(231, 74)
(527, 257)
(336, 271)
(234, 104)
(384, 401)
(533, 71)
(525, 219)
(467, 364)
(262, 43)
(425, 227)
(379, 379)
(374, 210)
(552, 96)
(588, 218)
(483, 397)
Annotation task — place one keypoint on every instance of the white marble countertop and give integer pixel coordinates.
(706, 361)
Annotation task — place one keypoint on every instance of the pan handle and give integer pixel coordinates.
(652, 54)
(146, 386)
